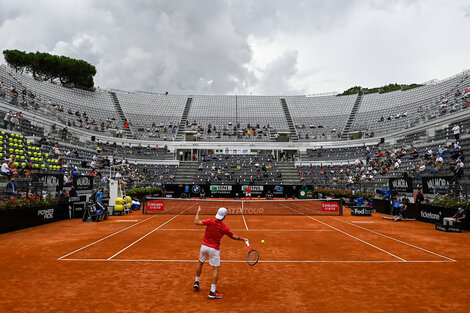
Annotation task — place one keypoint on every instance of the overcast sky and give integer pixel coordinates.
(263, 47)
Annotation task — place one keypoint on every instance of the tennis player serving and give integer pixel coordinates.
(215, 230)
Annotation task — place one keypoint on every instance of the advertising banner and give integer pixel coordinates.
(401, 184)
(154, 206)
(438, 184)
(330, 207)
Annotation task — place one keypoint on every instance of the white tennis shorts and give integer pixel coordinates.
(248, 194)
(213, 254)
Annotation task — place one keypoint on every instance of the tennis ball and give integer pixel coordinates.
(23, 164)
(262, 241)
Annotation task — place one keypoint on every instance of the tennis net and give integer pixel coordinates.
(247, 207)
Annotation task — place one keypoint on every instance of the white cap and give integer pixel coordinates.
(221, 213)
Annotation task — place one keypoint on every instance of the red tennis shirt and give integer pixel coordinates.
(215, 230)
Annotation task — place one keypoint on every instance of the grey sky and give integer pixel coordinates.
(261, 47)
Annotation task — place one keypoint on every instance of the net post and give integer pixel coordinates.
(340, 207)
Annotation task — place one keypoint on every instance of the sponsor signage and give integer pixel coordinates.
(196, 189)
(430, 216)
(153, 206)
(306, 194)
(50, 180)
(448, 228)
(20, 218)
(330, 207)
(229, 191)
(221, 189)
(438, 184)
(361, 211)
(401, 184)
(83, 182)
(254, 189)
(46, 214)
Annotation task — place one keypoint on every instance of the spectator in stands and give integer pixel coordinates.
(8, 170)
(414, 153)
(459, 216)
(456, 130)
(56, 150)
(11, 188)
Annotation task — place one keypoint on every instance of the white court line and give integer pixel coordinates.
(347, 234)
(261, 261)
(243, 229)
(244, 221)
(125, 221)
(95, 242)
(64, 256)
(405, 243)
(116, 254)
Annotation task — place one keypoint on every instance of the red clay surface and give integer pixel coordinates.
(308, 264)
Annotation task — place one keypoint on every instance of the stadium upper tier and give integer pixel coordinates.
(159, 117)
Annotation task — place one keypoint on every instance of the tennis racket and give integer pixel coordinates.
(253, 255)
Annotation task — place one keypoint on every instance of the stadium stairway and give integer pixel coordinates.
(289, 173)
(185, 172)
(293, 132)
(184, 119)
(352, 117)
(117, 105)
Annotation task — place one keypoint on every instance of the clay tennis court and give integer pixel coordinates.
(308, 263)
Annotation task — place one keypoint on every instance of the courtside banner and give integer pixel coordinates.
(330, 207)
(153, 206)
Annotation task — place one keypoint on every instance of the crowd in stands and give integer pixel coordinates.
(438, 159)
(229, 131)
(132, 151)
(28, 100)
(250, 169)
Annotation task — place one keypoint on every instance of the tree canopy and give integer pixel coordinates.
(45, 66)
(383, 89)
